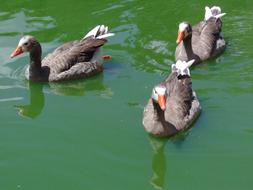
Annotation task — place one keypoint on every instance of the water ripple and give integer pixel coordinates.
(159, 46)
(11, 99)
(20, 23)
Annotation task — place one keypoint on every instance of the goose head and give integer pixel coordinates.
(159, 96)
(184, 30)
(215, 12)
(182, 67)
(26, 44)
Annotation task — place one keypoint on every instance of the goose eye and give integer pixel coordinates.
(26, 43)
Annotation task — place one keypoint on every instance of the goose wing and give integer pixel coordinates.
(64, 57)
(58, 51)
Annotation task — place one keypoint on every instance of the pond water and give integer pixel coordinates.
(88, 134)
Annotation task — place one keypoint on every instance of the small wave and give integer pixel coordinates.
(21, 23)
(11, 99)
(18, 73)
(158, 46)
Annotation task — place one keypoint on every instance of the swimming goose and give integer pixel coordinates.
(202, 41)
(173, 105)
(73, 60)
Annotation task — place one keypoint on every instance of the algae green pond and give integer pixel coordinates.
(88, 134)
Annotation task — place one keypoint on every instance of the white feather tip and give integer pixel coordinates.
(215, 12)
(99, 32)
(92, 32)
(182, 67)
(105, 36)
(220, 15)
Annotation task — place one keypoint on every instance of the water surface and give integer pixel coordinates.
(88, 134)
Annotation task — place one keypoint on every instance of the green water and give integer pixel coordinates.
(88, 134)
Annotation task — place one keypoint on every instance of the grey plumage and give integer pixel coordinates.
(68, 62)
(73, 60)
(204, 42)
(182, 108)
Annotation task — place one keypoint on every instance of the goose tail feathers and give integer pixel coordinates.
(99, 32)
(215, 12)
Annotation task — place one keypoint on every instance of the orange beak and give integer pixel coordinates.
(16, 52)
(180, 37)
(162, 102)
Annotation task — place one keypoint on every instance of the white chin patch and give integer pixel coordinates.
(182, 26)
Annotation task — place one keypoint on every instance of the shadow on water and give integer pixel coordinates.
(71, 88)
(159, 163)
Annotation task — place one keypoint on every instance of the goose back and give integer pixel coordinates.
(179, 99)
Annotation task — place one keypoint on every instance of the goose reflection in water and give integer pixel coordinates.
(72, 88)
(159, 161)
(159, 165)
(37, 101)
(79, 88)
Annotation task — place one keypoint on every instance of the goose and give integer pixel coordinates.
(73, 60)
(202, 41)
(173, 105)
